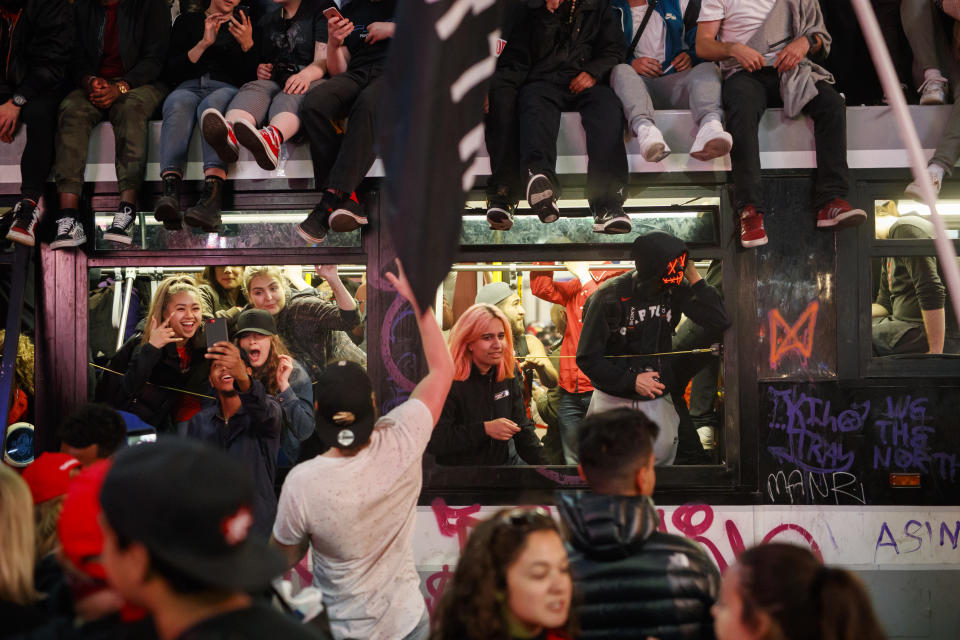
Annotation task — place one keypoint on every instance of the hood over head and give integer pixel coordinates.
(661, 256)
(608, 527)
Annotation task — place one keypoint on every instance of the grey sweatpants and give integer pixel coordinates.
(263, 98)
(661, 411)
(697, 89)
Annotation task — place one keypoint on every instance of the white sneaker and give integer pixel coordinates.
(652, 145)
(933, 91)
(711, 142)
(914, 192)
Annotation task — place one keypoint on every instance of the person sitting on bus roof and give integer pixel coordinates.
(570, 46)
(118, 56)
(756, 75)
(633, 316)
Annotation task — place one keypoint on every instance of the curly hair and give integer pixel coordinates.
(470, 608)
(24, 366)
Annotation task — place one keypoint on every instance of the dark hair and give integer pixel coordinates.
(613, 445)
(470, 607)
(804, 599)
(94, 423)
(267, 372)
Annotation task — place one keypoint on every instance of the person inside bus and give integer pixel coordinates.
(756, 75)
(912, 312)
(305, 321)
(211, 54)
(344, 152)
(292, 50)
(484, 421)
(118, 56)
(164, 372)
(282, 376)
(222, 289)
(569, 48)
(32, 84)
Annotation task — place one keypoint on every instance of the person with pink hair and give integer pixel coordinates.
(484, 421)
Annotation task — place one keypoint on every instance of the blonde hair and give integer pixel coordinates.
(46, 515)
(249, 273)
(17, 534)
(168, 288)
(468, 328)
(23, 368)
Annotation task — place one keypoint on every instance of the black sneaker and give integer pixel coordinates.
(205, 215)
(542, 198)
(611, 220)
(26, 215)
(167, 210)
(314, 228)
(347, 216)
(69, 233)
(121, 229)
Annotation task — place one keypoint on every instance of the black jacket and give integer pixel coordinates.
(40, 47)
(635, 314)
(634, 581)
(224, 60)
(459, 437)
(555, 49)
(252, 436)
(144, 28)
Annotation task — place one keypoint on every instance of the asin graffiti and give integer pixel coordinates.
(918, 537)
(796, 338)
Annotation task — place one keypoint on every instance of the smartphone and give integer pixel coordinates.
(141, 438)
(216, 331)
(332, 13)
(241, 7)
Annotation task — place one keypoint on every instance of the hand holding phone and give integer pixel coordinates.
(215, 330)
(332, 13)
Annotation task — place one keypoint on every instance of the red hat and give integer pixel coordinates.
(49, 475)
(81, 539)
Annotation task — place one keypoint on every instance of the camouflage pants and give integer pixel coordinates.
(128, 115)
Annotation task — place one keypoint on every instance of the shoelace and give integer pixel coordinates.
(64, 226)
(122, 219)
(933, 81)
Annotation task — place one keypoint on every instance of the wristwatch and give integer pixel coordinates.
(19, 99)
(812, 39)
(123, 87)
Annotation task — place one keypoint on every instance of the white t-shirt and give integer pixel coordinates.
(741, 18)
(653, 42)
(358, 513)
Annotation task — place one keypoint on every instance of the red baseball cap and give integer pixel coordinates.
(49, 475)
(81, 539)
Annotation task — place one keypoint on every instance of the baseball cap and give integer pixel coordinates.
(494, 293)
(345, 415)
(192, 507)
(81, 540)
(256, 321)
(48, 476)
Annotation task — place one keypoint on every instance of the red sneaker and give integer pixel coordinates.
(838, 214)
(752, 233)
(264, 143)
(219, 135)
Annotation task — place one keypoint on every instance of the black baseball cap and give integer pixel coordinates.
(256, 321)
(192, 507)
(345, 414)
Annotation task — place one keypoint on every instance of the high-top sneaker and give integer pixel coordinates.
(69, 231)
(219, 135)
(26, 214)
(542, 197)
(264, 143)
(500, 209)
(168, 206)
(314, 228)
(752, 231)
(205, 215)
(121, 229)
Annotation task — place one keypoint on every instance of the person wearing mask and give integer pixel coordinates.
(484, 421)
(282, 376)
(245, 422)
(222, 289)
(758, 74)
(635, 314)
(120, 47)
(633, 580)
(36, 37)
(370, 478)
(93, 432)
(783, 591)
(177, 521)
(211, 54)
(512, 581)
(356, 56)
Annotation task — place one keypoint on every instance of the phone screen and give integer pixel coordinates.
(140, 438)
(216, 331)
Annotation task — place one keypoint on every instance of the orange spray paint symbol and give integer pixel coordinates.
(798, 337)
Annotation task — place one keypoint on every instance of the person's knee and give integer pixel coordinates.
(705, 72)
(828, 99)
(179, 103)
(321, 102)
(621, 75)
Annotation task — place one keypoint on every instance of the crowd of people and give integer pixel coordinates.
(258, 76)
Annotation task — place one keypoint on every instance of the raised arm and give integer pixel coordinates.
(329, 273)
(432, 390)
(338, 58)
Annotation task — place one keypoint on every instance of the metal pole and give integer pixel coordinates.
(128, 292)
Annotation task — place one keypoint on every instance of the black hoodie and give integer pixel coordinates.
(636, 314)
(632, 580)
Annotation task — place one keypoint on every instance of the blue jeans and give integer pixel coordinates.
(570, 412)
(181, 111)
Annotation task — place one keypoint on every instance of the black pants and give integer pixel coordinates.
(341, 161)
(539, 107)
(745, 97)
(500, 133)
(39, 117)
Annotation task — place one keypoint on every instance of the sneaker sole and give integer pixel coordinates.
(63, 244)
(118, 238)
(499, 219)
(25, 239)
(169, 216)
(306, 236)
(927, 101)
(216, 134)
(749, 244)
(614, 227)
(200, 224)
(251, 139)
(715, 148)
(657, 152)
(343, 221)
(850, 218)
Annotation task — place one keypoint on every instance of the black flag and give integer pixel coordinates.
(439, 67)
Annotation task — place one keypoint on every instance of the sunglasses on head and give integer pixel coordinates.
(525, 516)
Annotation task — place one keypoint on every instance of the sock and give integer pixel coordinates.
(276, 131)
(69, 212)
(640, 125)
(936, 170)
(127, 207)
(932, 74)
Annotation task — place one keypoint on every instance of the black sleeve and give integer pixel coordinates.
(183, 37)
(608, 49)
(526, 440)
(320, 21)
(48, 48)
(705, 307)
(514, 62)
(455, 432)
(266, 416)
(141, 365)
(82, 61)
(612, 375)
(153, 47)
